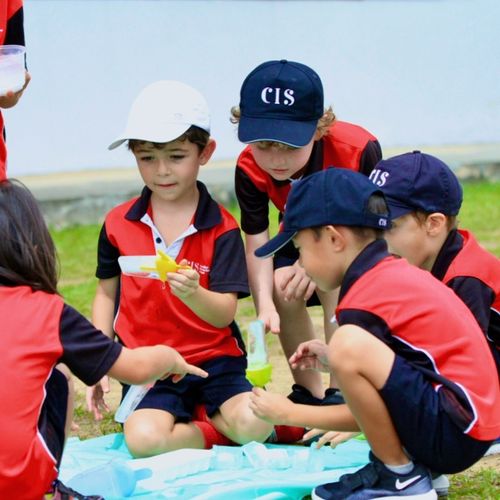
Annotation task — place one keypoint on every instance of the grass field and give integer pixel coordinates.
(77, 253)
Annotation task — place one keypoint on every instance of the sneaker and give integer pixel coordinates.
(441, 484)
(333, 397)
(302, 396)
(375, 480)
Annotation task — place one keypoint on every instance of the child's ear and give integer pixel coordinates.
(207, 152)
(435, 223)
(336, 236)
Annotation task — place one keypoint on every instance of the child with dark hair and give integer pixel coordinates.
(409, 356)
(39, 331)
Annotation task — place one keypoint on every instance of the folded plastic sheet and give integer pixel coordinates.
(244, 472)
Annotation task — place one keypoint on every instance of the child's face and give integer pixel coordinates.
(280, 161)
(407, 238)
(171, 172)
(317, 258)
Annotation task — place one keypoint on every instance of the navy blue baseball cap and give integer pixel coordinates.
(280, 101)
(419, 182)
(332, 196)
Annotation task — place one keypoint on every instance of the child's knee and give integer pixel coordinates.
(144, 437)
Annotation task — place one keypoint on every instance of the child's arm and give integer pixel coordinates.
(261, 281)
(103, 309)
(215, 308)
(143, 365)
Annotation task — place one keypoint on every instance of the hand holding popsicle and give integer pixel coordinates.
(163, 264)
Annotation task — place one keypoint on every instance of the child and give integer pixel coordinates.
(168, 133)
(38, 331)
(409, 357)
(424, 198)
(290, 135)
(11, 33)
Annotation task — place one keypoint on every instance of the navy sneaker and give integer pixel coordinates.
(332, 397)
(302, 396)
(375, 480)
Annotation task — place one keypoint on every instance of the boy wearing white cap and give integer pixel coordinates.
(191, 307)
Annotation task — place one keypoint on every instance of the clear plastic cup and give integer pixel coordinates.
(12, 71)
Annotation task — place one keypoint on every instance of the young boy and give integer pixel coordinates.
(409, 357)
(193, 311)
(290, 135)
(39, 331)
(424, 198)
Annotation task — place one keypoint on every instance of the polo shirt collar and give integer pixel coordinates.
(369, 257)
(207, 214)
(452, 245)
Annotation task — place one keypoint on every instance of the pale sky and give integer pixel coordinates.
(412, 72)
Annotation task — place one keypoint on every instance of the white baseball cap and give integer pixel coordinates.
(163, 111)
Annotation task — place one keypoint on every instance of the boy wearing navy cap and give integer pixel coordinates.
(424, 197)
(290, 135)
(411, 369)
(168, 132)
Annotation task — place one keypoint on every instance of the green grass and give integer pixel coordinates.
(77, 254)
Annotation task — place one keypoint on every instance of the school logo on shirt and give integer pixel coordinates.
(200, 268)
(276, 95)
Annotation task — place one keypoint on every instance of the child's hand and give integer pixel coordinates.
(10, 99)
(271, 320)
(332, 437)
(294, 282)
(184, 282)
(310, 355)
(181, 368)
(95, 398)
(273, 408)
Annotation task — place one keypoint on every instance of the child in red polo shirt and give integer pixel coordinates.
(168, 132)
(11, 33)
(290, 135)
(409, 357)
(39, 331)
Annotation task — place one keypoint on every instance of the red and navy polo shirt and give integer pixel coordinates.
(148, 313)
(11, 33)
(424, 322)
(474, 275)
(39, 331)
(345, 146)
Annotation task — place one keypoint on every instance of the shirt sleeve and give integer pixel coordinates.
(477, 296)
(15, 29)
(87, 352)
(254, 204)
(107, 257)
(372, 154)
(229, 271)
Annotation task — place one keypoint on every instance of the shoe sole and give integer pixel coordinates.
(430, 495)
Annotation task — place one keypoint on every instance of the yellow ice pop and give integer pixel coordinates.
(163, 264)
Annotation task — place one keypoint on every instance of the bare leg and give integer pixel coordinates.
(329, 302)
(296, 327)
(151, 432)
(362, 365)
(236, 421)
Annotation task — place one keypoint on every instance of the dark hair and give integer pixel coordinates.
(376, 205)
(193, 134)
(27, 252)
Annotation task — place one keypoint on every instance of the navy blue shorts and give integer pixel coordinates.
(52, 421)
(226, 379)
(426, 431)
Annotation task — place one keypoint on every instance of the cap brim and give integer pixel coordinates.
(397, 209)
(293, 133)
(168, 133)
(274, 244)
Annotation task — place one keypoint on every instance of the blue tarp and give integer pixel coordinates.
(250, 471)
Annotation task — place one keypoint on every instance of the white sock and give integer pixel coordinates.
(401, 469)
